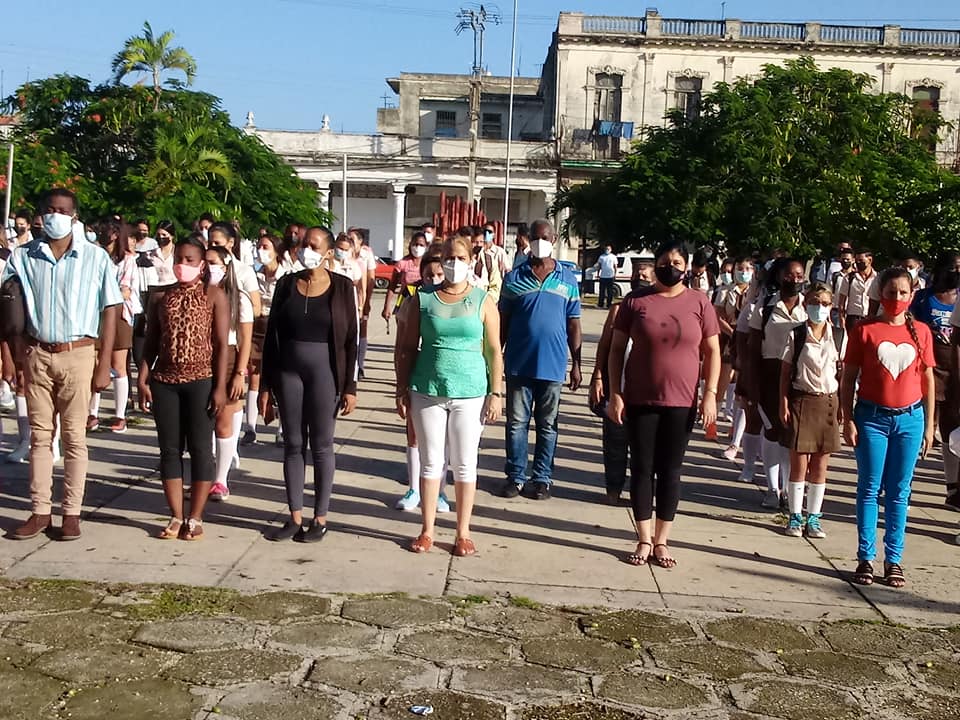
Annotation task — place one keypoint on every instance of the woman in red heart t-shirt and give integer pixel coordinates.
(892, 425)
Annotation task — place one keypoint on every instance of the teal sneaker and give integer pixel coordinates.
(813, 529)
(409, 502)
(795, 526)
(443, 506)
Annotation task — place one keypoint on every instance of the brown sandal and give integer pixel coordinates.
(863, 575)
(422, 544)
(666, 560)
(192, 530)
(172, 530)
(636, 559)
(463, 547)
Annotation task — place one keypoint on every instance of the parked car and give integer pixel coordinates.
(384, 273)
(621, 285)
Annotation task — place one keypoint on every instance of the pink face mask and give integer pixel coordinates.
(187, 274)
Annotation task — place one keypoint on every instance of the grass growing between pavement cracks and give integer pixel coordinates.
(523, 602)
(173, 602)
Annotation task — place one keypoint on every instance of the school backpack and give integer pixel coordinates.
(800, 339)
(13, 309)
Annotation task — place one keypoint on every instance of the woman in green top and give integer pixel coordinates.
(449, 375)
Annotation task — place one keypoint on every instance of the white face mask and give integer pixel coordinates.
(541, 248)
(217, 273)
(744, 276)
(206, 234)
(429, 237)
(91, 236)
(340, 254)
(436, 280)
(914, 273)
(418, 251)
(265, 255)
(57, 226)
(310, 258)
(726, 278)
(455, 271)
(818, 314)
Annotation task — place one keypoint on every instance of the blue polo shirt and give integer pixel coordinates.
(538, 314)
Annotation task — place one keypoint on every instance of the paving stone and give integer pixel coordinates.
(837, 668)
(453, 646)
(446, 706)
(326, 637)
(884, 640)
(582, 711)
(715, 661)
(152, 699)
(628, 626)
(587, 654)
(759, 634)
(263, 701)
(99, 663)
(953, 637)
(521, 623)
(651, 691)
(279, 606)
(525, 682)
(781, 698)
(24, 694)
(226, 667)
(922, 706)
(44, 596)
(72, 629)
(193, 634)
(13, 654)
(942, 675)
(373, 674)
(394, 612)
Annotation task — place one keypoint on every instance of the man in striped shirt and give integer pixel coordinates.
(72, 296)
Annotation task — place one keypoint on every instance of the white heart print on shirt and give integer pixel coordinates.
(896, 358)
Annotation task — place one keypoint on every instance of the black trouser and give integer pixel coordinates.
(658, 440)
(182, 416)
(852, 321)
(614, 456)
(307, 396)
(606, 291)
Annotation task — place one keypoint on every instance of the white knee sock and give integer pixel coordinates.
(121, 393)
(361, 352)
(795, 497)
(739, 425)
(815, 495)
(784, 467)
(413, 468)
(235, 435)
(751, 451)
(728, 402)
(771, 463)
(94, 404)
(23, 419)
(225, 448)
(251, 420)
(4, 387)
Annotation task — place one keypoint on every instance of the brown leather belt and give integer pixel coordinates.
(55, 348)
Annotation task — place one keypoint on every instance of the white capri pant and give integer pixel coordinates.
(454, 423)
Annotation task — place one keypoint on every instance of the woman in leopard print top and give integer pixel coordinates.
(183, 377)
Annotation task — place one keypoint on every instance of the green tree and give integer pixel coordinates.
(155, 55)
(185, 155)
(796, 159)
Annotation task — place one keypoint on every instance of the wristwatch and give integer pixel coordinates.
(496, 395)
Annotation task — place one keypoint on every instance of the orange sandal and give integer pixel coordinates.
(192, 530)
(422, 544)
(172, 530)
(463, 547)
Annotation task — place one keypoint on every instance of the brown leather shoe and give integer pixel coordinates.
(70, 530)
(35, 525)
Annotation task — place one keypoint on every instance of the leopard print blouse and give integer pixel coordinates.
(186, 335)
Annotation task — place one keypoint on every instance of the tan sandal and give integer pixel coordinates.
(422, 544)
(192, 530)
(464, 547)
(172, 530)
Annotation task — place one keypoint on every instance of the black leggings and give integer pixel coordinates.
(658, 438)
(307, 396)
(182, 416)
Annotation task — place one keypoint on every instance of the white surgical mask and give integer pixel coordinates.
(265, 255)
(91, 236)
(340, 254)
(429, 237)
(418, 251)
(726, 278)
(914, 273)
(455, 271)
(541, 248)
(217, 273)
(206, 234)
(436, 281)
(56, 226)
(818, 314)
(744, 276)
(310, 258)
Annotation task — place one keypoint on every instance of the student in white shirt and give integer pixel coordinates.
(859, 296)
(606, 267)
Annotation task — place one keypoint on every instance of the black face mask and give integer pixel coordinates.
(164, 241)
(861, 266)
(668, 275)
(846, 263)
(37, 232)
(638, 283)
(791, 288)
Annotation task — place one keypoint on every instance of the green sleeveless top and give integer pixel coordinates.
(451, 363)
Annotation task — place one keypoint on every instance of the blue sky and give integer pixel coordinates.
(292, 61)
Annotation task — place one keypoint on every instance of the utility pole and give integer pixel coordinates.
(344, 219)
(475, 20)
(513, 73)
(9, 193)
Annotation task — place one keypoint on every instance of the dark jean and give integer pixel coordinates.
(605, 295)
(539, 399)
(182, 416)
(658, 439)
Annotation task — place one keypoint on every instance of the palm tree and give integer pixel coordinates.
(184, 154)
(146, 53)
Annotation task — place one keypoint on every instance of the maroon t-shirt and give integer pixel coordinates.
(664, 364)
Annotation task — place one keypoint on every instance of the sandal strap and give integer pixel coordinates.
(893, 570)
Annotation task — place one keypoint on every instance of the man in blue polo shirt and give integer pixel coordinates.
(540, 322)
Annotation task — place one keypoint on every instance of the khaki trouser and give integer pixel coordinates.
(59, 384)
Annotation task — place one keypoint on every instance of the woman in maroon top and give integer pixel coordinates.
(655, 391)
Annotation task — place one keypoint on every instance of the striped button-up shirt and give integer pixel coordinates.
(64, 297)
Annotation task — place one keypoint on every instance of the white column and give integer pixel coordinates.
(397, 249)
(323, 195)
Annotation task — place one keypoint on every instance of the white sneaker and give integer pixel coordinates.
(21, 454)
(409, 502)
(771, 500)
(731, 452)
(7, 401)
(57, 456)
(443, 505)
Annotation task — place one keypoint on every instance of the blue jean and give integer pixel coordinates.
(888, 447)
(539, 399)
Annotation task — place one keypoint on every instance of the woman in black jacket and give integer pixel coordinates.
(310, 365)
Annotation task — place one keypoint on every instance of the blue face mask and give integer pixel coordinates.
(488, 236)
(818, 314)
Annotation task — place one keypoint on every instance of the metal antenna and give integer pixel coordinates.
(476, 20)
